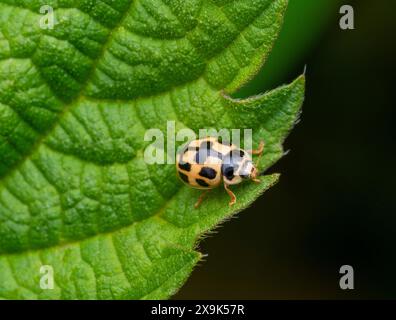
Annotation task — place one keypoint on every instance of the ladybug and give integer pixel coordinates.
(206, 163)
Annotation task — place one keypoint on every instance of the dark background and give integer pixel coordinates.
(335, 203)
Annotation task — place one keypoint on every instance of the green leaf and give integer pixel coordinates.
(75, 102)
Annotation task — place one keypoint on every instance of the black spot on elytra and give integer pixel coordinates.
(208, 173)
(190, 149)
(228, 171)
(206, 145)
(200, 156)
(203, 153)
(224, 142)
(185, 166)
(183, 177)
(202, 183)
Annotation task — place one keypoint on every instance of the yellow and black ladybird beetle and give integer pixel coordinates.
(206, 163)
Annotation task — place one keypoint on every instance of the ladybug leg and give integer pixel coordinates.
(256, 180)
(254, 176)
(231, 194)
(258, 152)
(201, 198)
(260, 149)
